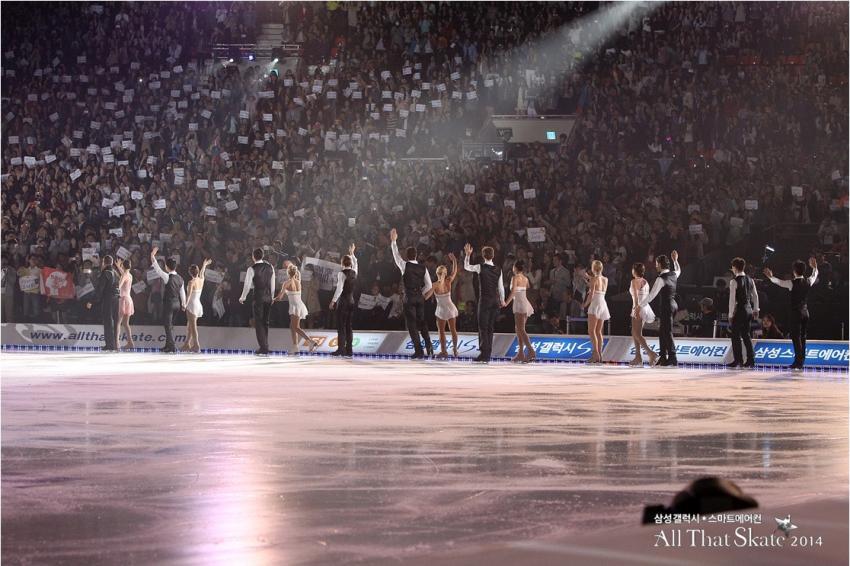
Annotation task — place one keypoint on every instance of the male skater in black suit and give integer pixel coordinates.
(260, 277)
(665, 286)
(106, 292)
(799, 320)
(417, 283)
(343, 303)
(173, 297)
(491, 297)
(743, 307)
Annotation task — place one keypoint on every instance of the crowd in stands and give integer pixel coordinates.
(698, 126)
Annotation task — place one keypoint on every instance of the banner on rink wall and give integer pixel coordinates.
(781, 352)
(688, 350)
(467, 346)
(363, 342)
(557, 347)
(227, 338)
(547, 347)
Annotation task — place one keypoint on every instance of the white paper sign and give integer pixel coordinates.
(529, 193)
(536, 234)
(469, 189)
(751, 205)
(514, 186)
(695, 228)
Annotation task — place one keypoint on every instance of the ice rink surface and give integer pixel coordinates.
(205, 459)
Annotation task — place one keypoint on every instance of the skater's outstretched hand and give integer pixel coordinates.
(393, 235)
(813, 263)
(674, 255)
(467, 249)
(768, 273)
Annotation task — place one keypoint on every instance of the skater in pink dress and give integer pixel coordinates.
(522, 310)
(125, 302)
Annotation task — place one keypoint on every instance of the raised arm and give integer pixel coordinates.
(674, 255)
(467, 253)
(155, 264)
(454, 269)
(204, 267)
(394, 247)
(813, 263)
(784, 283)
(351, 250)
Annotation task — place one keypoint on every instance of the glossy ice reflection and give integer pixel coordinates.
(202, 460)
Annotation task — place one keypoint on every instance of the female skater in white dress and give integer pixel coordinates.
(639, 289)
(297, 309)
(194, 310)
(446, 312)
(522, 310)
(597, 309)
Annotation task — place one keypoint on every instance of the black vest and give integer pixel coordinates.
(743, 304)
(799, 294)
(171, 291)
(347, 295)
(262, 282)
(108, 284)
(667, 295)
(414, 280)
(488, 281)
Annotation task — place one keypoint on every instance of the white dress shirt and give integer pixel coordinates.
(477, 269)
(340, 279)
(787, 284)
(659, 283)
(164, 276)
(754, 297)
(249, 281)
(401, 263)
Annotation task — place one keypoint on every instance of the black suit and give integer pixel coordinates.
(489, 303)
(740, 323)
(345, 313)
(414, 306)
(667, 307)
(171, 305)
(262, 284)
(799, 320)
(107, 295)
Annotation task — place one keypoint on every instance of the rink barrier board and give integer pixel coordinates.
(699, 352)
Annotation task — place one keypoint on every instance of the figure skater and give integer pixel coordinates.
(126, 308)
(641, 315)
(446, 310)
(522, 310)
(297, 309)
(597, 309)
(194, 309)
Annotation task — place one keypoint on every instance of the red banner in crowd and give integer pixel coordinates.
(57, 284)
